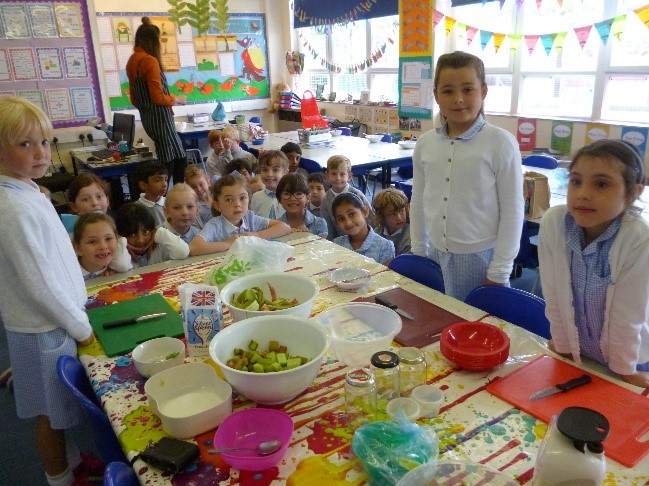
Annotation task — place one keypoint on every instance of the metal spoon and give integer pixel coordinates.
(263, 448)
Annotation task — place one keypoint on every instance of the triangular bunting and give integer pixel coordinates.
(519, 4)
(498, 40)
(514, 41)
(437, 18)
(582, 34)
(604, 29)
(530, 42)
(643, 13)
(617, 27)
(539, 3)
(547, 40)
(559, 39)
(485, 36)
(450, 22)
(470, 33)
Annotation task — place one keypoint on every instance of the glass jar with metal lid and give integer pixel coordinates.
(360, 396)
(412, 367)
(385, 365)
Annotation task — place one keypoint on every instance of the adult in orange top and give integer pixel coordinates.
(150, 95)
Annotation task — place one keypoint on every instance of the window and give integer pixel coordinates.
(337, 56)
(593, 81)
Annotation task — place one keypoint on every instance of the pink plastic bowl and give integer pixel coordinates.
(249, 427)
(475, 346)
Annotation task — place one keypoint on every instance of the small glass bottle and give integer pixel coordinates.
(413, 369)
(385, 365)
(360, 396)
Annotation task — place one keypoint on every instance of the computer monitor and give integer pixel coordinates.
(123, 128)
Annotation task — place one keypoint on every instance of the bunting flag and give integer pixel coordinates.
(643, 13)
(450, 22)
(582, 34)
(498, 40)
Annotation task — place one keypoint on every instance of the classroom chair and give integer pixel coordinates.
(255, 119)
(247, 148)
(528, 253)
(420, 269)
(512, 305)
(310, 165)
(541, 161)
(120, 474)
(406, 187)
(195, 156)
(73, 377)
(346, 131)
(398, 174)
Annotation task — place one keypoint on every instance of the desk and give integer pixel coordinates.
(473, 425)
(192, 134)
(112, 172)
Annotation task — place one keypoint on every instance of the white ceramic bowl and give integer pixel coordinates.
(350, 278)
(180, 126)
(374, 138)
(336, 133)
(189, 399)
(359, 329)
(302, 337)
(159, 354)
(407, 144)
(286, 285)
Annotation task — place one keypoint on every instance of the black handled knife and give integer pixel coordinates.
(562, 387)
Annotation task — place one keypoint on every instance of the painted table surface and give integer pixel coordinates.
(473, 424)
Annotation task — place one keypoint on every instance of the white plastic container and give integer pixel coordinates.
(430, 400)
(359, 329)
(159, 354)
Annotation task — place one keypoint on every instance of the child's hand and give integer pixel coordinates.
(300, 229)
(638, 378)
(87, 341)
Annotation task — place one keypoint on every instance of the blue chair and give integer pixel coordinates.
(528, 253)
(195, 156)
(406, 187)
(403, 173)
(541, 161)
(512, 305)
(346, 131)
(419, 269)
(310, 166)
(120, 474)
(255, 119)
(73, 377)
(387, 138)
(247, 148)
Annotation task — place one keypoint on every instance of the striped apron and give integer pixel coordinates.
(158, 121)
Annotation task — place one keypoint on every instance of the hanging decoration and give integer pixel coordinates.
(351, 68)
(363, 9)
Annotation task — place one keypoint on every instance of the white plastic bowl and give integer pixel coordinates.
(180, 126)
(407, 144)
(408, 406)
(374, 138)
(359, 329)
(189, 399)
(350, 278)
(336, 133)
(302, 337)
(287, 285)
(159, 354)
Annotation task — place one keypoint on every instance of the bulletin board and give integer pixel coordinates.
(216, 66)
(47, 57)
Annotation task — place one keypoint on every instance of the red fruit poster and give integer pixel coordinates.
(526, 134)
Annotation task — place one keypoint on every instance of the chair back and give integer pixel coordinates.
(419, 269)
(512, 305)
(195, 156)
(526, 257)
(345, 131)
(406, 187)
(73, 377)
(310, 166)
(386, 137)
(120, 474)
(542, 161)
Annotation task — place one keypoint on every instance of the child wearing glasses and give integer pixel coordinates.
(292, 192)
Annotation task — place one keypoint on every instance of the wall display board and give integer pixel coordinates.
(218, 65)
(46, 56)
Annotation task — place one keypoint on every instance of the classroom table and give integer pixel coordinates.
(473, 424)
(193, 133)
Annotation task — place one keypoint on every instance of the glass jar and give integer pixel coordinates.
(412, 367)
(360, 396)
(385, 365)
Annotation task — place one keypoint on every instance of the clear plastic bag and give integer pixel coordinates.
(249, 254)
(388, 450)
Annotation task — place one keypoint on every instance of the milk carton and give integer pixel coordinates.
(202, 315)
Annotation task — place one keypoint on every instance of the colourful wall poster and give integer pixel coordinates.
(416, 87)
(596, 131)
(526, 134)
(636, 136)
(561, 137)
(416, 32)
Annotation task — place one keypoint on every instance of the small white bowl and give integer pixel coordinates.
(287, 285)
(189, 399)
(430, 400)
(350, 278)
(180, 126)
(409, 406)
(159, 354)
(407, 144)
(336, 133)
(374, 138)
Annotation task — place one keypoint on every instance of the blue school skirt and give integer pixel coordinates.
(37, 388)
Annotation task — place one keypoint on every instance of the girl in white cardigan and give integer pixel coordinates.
(594, 255)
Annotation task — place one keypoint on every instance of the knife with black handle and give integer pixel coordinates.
(562, 387)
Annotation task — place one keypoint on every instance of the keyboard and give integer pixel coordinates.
(102, 154)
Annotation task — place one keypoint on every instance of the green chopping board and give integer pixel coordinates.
(121, 340)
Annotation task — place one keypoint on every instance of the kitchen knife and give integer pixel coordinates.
(383, 301)
(132, 320)
(562, 387)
